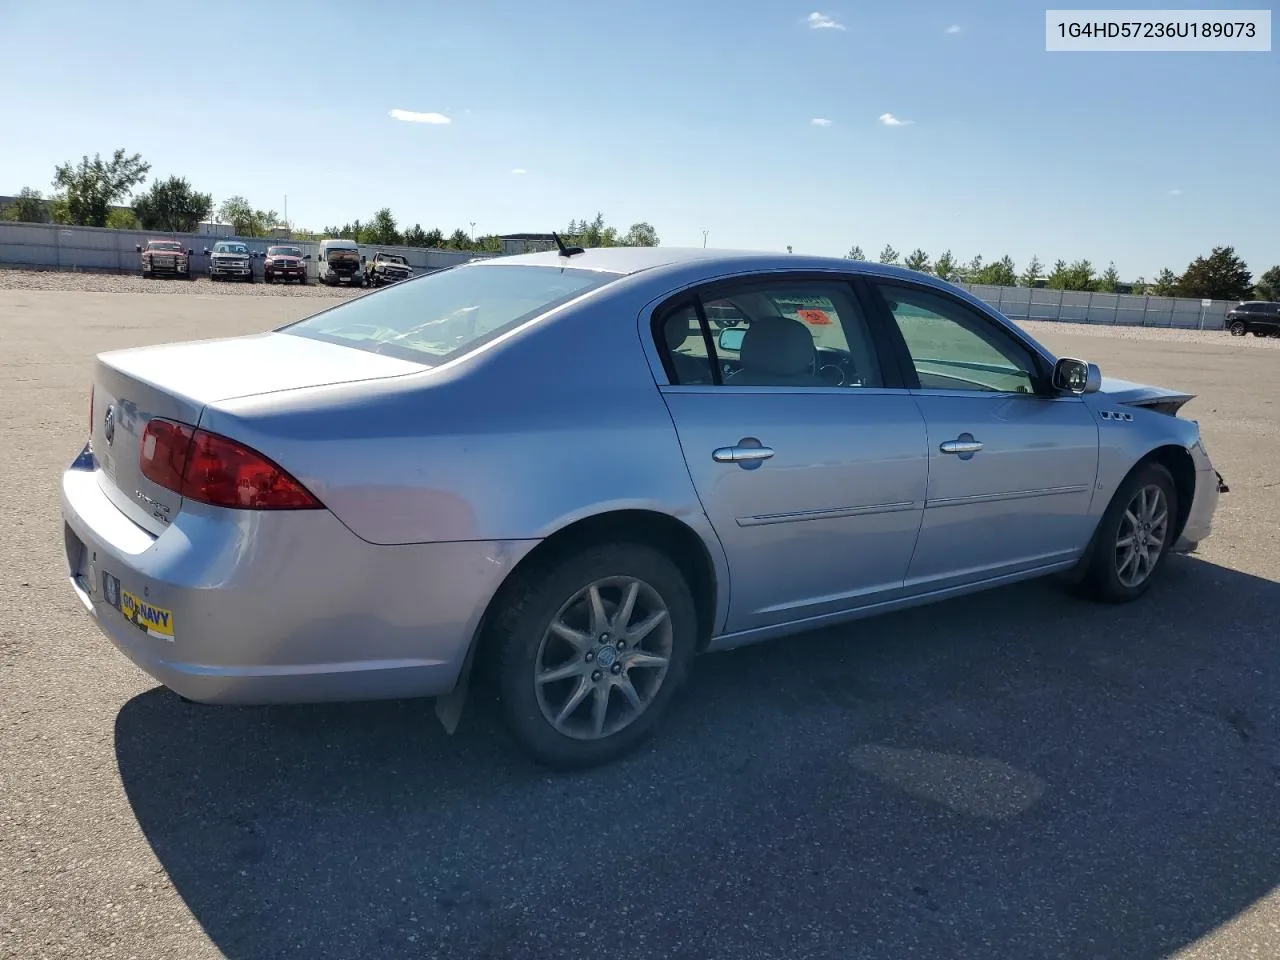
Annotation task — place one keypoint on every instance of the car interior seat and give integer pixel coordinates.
(777, 351)
(688, 368)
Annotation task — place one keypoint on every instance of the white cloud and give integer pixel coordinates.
(520, 170)
(412, 116)
(954, 28)
(1175, 192)
(820, 122)
(889, 120)
(820, 21)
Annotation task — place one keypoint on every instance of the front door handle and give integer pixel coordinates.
(741, 454)
(964, 445)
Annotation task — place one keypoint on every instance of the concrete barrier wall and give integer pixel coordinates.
(51, 246)
(1111, 309)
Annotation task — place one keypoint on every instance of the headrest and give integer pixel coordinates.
(778, 346)
(676, 329)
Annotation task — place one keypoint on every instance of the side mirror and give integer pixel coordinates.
(732, 338)
(206, 251)
(190, 252)
(138, 247)
(363, 258)
(307, 257)
(1076, 376)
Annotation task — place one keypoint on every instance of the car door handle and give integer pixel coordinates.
(740, 454)
(960, 446)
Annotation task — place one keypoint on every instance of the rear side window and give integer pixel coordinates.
(440, 316)
(788, 333)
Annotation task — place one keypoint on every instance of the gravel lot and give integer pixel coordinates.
(200, 287)
(1013, 775)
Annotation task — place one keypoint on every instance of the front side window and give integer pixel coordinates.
(439, 316)
(955, 348)
(789, 333)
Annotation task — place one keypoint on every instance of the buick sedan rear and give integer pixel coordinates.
(556, 472)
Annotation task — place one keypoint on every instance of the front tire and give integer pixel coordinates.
(590, 650)
(1134, 536)
(1238, 328)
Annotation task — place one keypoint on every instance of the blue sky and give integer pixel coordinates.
(690, 115)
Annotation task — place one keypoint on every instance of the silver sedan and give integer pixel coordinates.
(579, 470)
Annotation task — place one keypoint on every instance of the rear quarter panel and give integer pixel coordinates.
(561, 422)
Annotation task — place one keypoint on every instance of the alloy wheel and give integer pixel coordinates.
(603, 659)
(1144, 526)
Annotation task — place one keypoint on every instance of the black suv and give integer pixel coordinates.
(1258, 317)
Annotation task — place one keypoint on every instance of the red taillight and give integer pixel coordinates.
(164, 453)
(213, 469)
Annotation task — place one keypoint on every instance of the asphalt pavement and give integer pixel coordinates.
(1017, 774)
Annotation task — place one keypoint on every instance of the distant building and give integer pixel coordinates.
(527, 242)
(216, 230)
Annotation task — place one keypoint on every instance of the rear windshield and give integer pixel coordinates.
(434, 318)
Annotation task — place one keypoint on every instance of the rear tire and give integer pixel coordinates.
(612, 683)
(1134, 536)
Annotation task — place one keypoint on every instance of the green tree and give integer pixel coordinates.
(1110, 279)
(122, 218)
(245, 220)
(381, 230)
(29, 206)
(91, 187)
(855, 253)
(415, 236)
(1000, 273)
(1078, 276)
(917, 260)
(1268, 285)
(173, 206)
(1166, 284)
(971, 269)
(640, 235)
(1140, 286)
(944, 268)
(1029, 276)
(1220, 276)
(888, 254)
(434, 239)
(595, 233)
(458, 240)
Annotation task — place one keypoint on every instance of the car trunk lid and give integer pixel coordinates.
(177, 381)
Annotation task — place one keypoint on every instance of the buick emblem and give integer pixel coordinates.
(109, 424)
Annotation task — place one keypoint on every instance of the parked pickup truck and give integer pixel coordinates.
(165, 258)
(387, 268)
(285, 263)
(230, 259)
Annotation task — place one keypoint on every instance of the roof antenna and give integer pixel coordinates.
(565, 251)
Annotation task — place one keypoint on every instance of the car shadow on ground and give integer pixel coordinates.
(1013, 774)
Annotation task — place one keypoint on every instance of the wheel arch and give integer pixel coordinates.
(675, 538)
(1177, 460)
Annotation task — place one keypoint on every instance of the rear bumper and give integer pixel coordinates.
(284, 607)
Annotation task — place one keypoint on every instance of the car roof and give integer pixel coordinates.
(630, 260)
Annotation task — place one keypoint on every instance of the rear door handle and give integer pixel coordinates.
(740, 454)
(962, 446)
